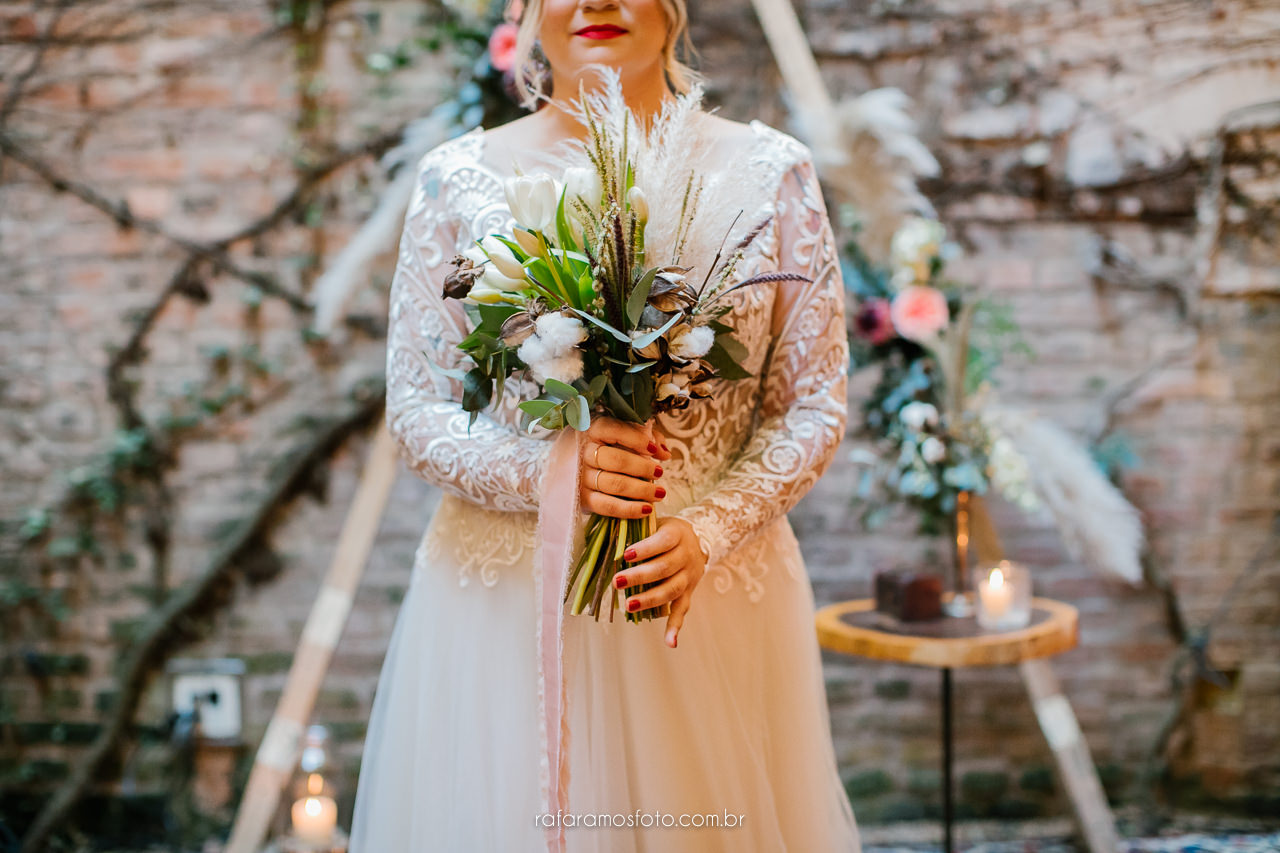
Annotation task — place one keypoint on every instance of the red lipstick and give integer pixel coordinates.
(601, 31)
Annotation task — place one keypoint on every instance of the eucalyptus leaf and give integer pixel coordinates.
(644, 340)
(560, 390)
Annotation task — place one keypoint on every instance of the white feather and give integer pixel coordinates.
(1098, 525)
(677, 145)
(873, 162)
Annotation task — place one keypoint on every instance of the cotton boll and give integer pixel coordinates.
(565, 368)
(693, 342)
(560, 332)
(933, 450)
(533, 350)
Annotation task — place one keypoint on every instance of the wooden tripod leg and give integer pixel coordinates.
(1071, 752)
(278, 752)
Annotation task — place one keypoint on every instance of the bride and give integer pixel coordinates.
(708, 731)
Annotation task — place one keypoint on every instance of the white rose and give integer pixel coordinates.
(532, 200)
(913, 247)
(916, 414)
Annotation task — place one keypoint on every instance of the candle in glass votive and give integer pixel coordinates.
(314, 818)
(1004, 597)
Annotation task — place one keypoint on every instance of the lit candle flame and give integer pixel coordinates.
(312, 806)
(315, 784)
(997, 578)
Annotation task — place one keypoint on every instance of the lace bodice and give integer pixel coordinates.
(740, 459)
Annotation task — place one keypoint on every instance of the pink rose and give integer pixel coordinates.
(919, 312)
(872, 322)
(502, 46)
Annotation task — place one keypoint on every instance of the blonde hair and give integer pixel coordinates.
(529, 82)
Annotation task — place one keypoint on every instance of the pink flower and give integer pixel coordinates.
(872, 322)
(502, 46)
(919, 312)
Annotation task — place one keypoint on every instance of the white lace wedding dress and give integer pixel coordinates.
(734, 721)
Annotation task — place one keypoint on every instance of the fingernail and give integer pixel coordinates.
(646, 509)
(675, 638)
(653, 448)
(660, 492)
(664, 447)
(633, 604)
(630, 555)
(657, 470)
(621, 582)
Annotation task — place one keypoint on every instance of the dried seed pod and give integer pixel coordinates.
(458, 283)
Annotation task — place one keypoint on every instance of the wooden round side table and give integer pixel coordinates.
(854, 627)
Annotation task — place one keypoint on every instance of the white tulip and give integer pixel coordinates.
(532, 200)
(584, 183)
(485, 292)
(639, 204)
(525, 240)
(501, 258)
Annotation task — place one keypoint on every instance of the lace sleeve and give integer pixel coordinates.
(803, 411)
(495, 464)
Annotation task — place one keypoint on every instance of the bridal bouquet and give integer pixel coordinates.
(575, 302)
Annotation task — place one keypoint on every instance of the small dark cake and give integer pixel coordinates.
(909, 595)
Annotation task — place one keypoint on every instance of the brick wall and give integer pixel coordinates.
(1082, 171)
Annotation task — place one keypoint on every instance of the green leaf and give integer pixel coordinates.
(477, 388)
(562, 224)
(639, 296)
(560, 390)
(537, 408)
(578, 413)
(733, 347)
(636, 368)
(596, 387)
(621, 408)
(724, 364)
(622, 336)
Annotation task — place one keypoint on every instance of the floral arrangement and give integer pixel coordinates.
(935, 345)
(573, 302)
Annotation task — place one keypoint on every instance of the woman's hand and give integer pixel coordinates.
(619, 464)
(672, 555)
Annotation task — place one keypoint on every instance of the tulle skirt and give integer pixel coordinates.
(722, 744)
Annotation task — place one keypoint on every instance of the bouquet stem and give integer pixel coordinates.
(607, 539)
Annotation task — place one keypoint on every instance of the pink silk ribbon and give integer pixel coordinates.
(558, 520)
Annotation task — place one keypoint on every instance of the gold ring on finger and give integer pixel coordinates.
(595, 456)
(597, 487)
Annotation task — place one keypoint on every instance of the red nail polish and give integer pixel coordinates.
(633, 604)
(630, 555)
(621, 582)
(657, 470)
(646, 509)
(660, 492)
(653, 448)
(664, 447)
